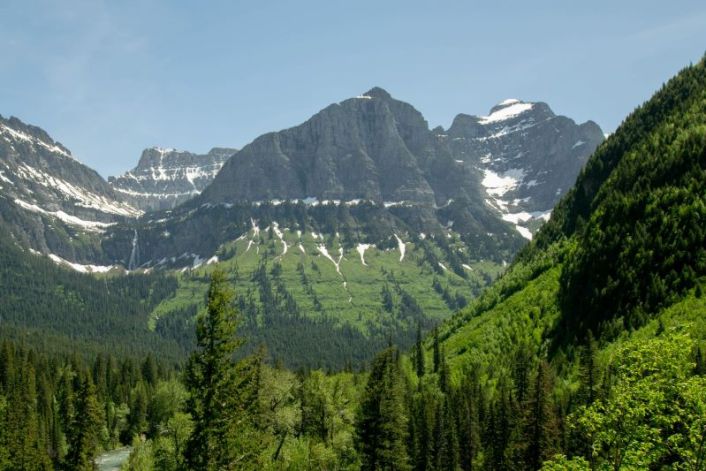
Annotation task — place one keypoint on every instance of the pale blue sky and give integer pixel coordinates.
(109, 78)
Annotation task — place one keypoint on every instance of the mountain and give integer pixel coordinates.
(528, 157)
(362, 220)
(520, 159)
(165, 178)
(376, 159)
(354, 227)
(600, 319)
(49, 201)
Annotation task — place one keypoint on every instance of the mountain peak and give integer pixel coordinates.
(507, 109)
(377, 92)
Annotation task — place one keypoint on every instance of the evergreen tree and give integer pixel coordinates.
(437, 351)
(541, 431)
(419, 353)
(589, 370)
(382, 422)
(85, 428)
(223, 393)
(24, 448)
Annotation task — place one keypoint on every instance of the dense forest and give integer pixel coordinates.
(588, 353)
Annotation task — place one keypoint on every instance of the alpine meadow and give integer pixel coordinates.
(518, 290)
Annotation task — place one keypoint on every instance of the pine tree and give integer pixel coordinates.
(24, 448)
(84, 431)
(419, 353)
(223, 393)
(137, 418)
(437, 351)
(381, 426)
(541, 425)
(589, 370)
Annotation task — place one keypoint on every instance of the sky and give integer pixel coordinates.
(110, 78)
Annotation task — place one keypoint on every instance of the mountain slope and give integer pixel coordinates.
(165, 178)
(610, 295)
(638, 245)
(49, 201)
(57, 308)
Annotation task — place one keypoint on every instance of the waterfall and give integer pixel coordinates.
(134, 254)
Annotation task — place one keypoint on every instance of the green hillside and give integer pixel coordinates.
(609, 296)
(302, 286)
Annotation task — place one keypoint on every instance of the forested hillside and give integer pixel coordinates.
(59, 310)
(588, 352)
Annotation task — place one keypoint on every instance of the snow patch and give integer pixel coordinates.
(84, 198)
(53, 148)
(92, 226)
(280, 236)
(510, 111)
(524, 232)
(524, 216)
(337, 264)
(401, 245)
(79, 267)
(5, 179)
(497, 185)
(361, 251)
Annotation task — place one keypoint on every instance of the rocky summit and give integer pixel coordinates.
(517, 161)
(527, 157)
(49, 201)
(164, 178)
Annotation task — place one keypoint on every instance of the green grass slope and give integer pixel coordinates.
(310, 288)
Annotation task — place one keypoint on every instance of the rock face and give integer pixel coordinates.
(49, 201)
(370, 147)
(518, 161)
(491, 180)
(373, 160)
(527, 157)
(164, 178)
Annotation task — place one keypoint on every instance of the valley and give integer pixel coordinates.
(362, 290)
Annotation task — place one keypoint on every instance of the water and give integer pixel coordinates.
(113, 460)
(134, 254)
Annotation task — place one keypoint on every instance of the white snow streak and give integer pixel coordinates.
(361, 250)
(81, 268)
(324, 252)
(401, 246)
(280, 236)
(507, 112)
(93, 226)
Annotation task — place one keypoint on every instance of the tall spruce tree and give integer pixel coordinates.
(381, 428)
(419, 353)
(223, 392)
(85, 429)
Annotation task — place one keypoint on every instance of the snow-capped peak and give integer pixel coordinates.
(18, 134)
(509, 101)
(506, 110)
(164, 150)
